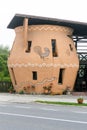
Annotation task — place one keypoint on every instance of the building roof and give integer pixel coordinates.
(80, 28)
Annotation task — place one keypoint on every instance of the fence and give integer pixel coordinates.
(4, 86)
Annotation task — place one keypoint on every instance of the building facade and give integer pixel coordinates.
(43, 58)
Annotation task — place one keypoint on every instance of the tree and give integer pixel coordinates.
(4, 53)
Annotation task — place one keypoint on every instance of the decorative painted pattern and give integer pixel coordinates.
(38, 50)
(38, 83)
(46, 28)
(42, 65)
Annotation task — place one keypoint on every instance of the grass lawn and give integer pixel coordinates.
(61, 103)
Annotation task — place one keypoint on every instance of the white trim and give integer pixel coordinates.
(43, 65)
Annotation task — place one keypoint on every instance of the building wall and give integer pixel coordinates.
(60, 71)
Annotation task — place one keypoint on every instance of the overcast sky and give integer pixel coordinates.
(75, 10)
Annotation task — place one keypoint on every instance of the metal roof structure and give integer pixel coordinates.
(80, 28)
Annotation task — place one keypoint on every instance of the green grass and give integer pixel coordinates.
(62, 103)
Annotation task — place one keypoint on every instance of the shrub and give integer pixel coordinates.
(21, 92)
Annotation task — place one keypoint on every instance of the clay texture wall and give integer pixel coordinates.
(43, 56)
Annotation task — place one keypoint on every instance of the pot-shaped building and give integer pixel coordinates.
(43, 58)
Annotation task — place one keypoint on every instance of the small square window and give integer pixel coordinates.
(34, 75)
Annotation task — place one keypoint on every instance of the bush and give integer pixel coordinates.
(7, 79)
(11, 89)
(21, 92)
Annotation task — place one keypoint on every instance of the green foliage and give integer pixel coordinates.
(6, 79)
(11, 89)
(4, 74)
(80, 98)
(21, 92)
(62, 103)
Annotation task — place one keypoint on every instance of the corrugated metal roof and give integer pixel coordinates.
(80, 28)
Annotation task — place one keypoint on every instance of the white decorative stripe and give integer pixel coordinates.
(42, 65)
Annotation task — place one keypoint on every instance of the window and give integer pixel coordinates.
(60, 80)
(29, 46)
(71, 48)
(70, 36)
(54, 50)
(34, 75)
(13, 75)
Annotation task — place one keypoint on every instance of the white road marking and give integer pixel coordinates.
(80, 112)
(22, 107)
(18, 106)
(49, 109)
(43, 118)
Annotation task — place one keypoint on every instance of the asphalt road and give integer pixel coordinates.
(34, 116)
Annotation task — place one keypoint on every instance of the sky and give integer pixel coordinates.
(75, 10)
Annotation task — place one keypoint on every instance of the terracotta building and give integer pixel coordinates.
(43, 58)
